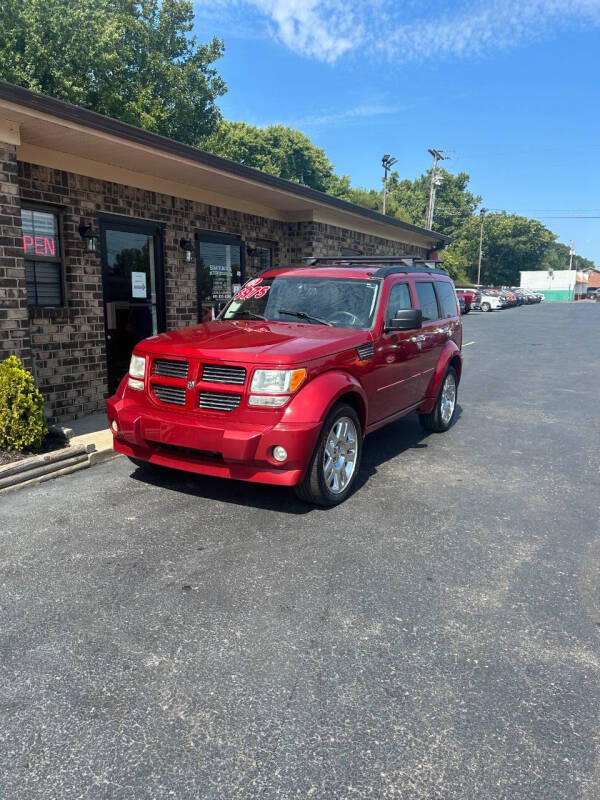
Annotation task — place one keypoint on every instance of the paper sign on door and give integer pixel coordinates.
(138, 284)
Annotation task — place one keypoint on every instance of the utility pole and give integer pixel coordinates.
(482, 214)
(436, 180)
(387, 162)
(571, 254)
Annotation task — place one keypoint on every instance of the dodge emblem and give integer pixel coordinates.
(190, 384)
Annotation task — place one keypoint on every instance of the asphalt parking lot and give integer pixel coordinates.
(437, 636)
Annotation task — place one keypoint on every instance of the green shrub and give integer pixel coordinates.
(22, 422)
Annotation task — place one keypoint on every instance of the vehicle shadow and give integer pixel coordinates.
(381, 446)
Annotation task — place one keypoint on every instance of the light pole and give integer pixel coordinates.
(387, 162)
(482, 214)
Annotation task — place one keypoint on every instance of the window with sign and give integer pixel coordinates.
(219, 270)
(43, 264)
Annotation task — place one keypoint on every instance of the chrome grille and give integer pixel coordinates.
(175, 395)
(213, 373)
(219, 401)
(171, 369)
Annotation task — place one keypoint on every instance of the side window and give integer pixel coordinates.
(427, 300)
(399, 299)
(447, 298)
(43, 265)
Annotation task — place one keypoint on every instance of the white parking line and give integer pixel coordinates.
(466, 344)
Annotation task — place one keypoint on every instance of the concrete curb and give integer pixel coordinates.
(41, 468)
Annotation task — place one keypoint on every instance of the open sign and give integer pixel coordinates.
(39, 245)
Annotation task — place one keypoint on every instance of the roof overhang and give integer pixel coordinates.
(56, 134)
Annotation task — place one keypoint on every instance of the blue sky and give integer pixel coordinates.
(511, 89)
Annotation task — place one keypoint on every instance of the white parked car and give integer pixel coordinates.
(490, 302)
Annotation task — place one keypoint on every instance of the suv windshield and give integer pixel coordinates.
(341, 302)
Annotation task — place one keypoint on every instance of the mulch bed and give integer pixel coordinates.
(49, 445)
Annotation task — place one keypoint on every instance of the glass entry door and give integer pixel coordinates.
(133, 289)
(221, 268)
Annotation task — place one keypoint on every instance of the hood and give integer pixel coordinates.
(254, 341)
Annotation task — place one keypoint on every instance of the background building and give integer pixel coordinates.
(109, 233)
(560, 284)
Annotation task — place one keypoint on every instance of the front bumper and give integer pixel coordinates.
(212, 445)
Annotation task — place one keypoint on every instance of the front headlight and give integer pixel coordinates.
(137, 367)
(277, 381)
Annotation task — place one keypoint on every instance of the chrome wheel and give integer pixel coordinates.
(448, 398)
(341, 451)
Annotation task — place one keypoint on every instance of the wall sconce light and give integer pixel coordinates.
(90, 240)
(188, 247)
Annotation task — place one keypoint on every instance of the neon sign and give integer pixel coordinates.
(39, 245)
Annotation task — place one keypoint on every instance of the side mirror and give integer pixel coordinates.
(407, 319)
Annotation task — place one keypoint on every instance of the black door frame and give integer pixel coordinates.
(216, 237)
(134, 225)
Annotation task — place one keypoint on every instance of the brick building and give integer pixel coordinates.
(109, 233)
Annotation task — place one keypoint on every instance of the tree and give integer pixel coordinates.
(454, 205)
(276, 149)
(510, 244)
(558, 257)
(132, 60)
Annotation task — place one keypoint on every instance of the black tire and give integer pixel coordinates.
(486, 307)
(434, 421)
(314, 489)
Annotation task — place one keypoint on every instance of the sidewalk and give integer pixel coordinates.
(93, 429)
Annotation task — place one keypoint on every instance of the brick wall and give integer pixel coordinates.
(14, 322)
(316, 238)
(68, 345)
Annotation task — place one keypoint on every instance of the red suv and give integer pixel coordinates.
(300, 365)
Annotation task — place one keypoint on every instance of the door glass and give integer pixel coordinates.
(427, 300)
(399, 299)
(130, 296)
(219, 276)
(447, 298)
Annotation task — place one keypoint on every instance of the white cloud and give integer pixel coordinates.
(407, 30)
(356, 115)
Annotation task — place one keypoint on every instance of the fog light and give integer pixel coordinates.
(267, 401)
(114, 426)
(279, 453)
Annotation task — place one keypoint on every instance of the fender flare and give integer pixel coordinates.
(450, 353)
(315, 400)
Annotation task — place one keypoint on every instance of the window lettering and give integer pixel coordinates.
(39, 245)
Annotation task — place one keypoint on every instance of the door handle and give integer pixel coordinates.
(420, 338)
(445, 331)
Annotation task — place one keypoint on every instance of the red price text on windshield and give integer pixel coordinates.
(39, 245)
(252, 289)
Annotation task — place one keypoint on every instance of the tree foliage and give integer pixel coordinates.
(454, 204)
(132, 60)
(276, 149)
(510, 243)
(557, 257)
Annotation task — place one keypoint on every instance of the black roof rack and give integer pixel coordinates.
(387, 265)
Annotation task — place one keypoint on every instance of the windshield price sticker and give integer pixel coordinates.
(252, 289)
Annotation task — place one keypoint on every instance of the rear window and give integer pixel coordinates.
(427, 300)
(447, 299)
